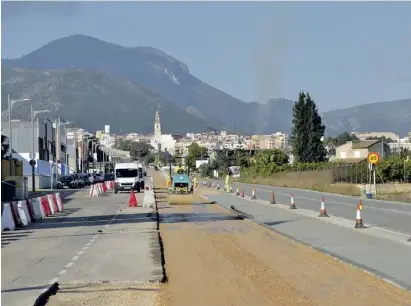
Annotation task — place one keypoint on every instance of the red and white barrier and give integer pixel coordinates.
(51, 204)
(45, 204)
(38, 209)
(94, 190)
(99, 188)
(30, 209)
(60, 202)
(21, 210)
(22, 213)
(56, 205)
(7, 220)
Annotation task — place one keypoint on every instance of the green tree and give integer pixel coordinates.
(299, 136)
(138, 150)
(195, 152)
(315, 147)
(307, 131)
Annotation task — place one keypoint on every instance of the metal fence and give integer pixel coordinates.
(360, 173)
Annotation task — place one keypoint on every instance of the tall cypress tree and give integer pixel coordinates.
(315, 129)
(299, 137)
(307, 131)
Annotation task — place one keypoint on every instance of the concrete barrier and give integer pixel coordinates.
(21, 210)
(7, 221)
(56, 206)
(149, 200)
(60, 202)
(94, 190)
(51, 204)
(46, 207)
(38, 209)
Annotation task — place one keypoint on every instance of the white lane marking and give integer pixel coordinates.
(69, 265)
(74, 258)
(88, 244)
(79, 253)
(62, 272)
(85, 248)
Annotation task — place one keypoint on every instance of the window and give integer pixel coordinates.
(357, 154)
(126, 173)
(343, 154)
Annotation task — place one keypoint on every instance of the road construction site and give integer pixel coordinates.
(103, 252)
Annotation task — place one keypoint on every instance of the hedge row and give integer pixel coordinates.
(393, 169)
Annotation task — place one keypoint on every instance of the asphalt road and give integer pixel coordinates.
(393, 216)
(70, 248)
(387, 258)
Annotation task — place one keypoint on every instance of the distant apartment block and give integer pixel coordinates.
(264, 142)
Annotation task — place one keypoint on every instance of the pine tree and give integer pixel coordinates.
(307, 131)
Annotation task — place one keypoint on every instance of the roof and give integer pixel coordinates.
(365, 144)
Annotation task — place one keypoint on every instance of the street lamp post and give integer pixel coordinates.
(10, 105)
(93, 145)
(32, 155)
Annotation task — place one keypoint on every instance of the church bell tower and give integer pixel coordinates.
(157, 125)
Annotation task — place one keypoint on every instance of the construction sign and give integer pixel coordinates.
(373, 158)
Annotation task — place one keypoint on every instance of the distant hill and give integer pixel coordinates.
(110, 73)
(143, 65)
(92, 99)
(393, 116)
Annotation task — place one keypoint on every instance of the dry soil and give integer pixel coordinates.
(236, 262)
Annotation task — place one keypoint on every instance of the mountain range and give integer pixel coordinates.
(93, 83)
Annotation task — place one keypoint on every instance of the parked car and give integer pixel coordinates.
(67, 181)
(109, 177)
(99, 178)
(89, 177)
(80, 181)
(85, 178)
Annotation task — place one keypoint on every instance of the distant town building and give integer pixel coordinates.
(368, 135)
(162, 142)
(359, 150)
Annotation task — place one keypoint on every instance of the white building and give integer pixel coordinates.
(159, 141)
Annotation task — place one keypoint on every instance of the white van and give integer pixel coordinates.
(127, 177)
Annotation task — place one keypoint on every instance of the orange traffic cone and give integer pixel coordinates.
(323, 212)
(272, 198)
(292, 204)
(358, 218)
(132, 202)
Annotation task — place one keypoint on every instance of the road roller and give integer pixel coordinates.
(180, 187)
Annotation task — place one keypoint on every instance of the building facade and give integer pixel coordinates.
(42, 141)
(359, 150)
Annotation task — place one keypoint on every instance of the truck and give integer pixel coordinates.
(127, 177)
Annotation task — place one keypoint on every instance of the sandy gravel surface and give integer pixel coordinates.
(106, 295)
(236, 262)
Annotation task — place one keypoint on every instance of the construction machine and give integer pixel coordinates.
(180, 186)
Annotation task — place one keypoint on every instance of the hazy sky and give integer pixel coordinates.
(343, 53)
